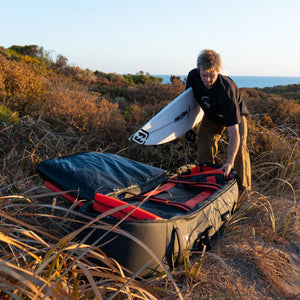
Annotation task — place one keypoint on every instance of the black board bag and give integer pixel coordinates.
(159, 214)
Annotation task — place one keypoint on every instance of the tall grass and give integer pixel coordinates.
(40, 259)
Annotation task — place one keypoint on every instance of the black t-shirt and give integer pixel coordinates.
(222, 103)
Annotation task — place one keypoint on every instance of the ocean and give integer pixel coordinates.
(250, 81)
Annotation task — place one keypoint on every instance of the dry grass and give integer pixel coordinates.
(40, 260)
(254, 257)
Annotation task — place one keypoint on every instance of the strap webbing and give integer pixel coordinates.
(163, 188)
(199, 198)
(164, 201)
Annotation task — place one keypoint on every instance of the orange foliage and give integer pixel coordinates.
(81, 110)
(279, 110)
(27, 87)
(153, 94)
(20, 85)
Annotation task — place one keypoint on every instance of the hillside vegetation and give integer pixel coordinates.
(49, 108)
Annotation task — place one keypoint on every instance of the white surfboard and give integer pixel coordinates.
(178, 117)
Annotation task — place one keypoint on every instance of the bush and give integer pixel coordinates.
(280, 110)
(81, 111)
(154, 94)
(30, 50)
(20, 86)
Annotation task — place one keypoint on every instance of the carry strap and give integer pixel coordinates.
(163, 188)
(210, 175)
(199, 198)
(195, 183)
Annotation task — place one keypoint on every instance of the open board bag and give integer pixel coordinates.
(161, 214)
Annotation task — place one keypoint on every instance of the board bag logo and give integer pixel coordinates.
(140, 137)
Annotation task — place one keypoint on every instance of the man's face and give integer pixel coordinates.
(209, 77)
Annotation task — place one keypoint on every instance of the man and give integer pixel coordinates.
(223, 107)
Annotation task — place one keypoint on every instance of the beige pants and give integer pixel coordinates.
(208, 137)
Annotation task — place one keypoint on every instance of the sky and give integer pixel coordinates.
(254, 38)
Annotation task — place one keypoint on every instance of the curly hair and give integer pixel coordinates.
(209, 60)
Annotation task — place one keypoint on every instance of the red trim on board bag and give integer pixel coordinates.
(68, 197)
(104, 203)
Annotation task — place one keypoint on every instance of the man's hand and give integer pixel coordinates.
(226, 168)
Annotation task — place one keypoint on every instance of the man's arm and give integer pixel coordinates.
(233, 146)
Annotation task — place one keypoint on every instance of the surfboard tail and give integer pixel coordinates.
(140, 137)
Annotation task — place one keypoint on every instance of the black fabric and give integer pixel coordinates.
(90, 173)
(222, 103)
(167, 238)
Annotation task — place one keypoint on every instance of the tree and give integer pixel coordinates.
(30, 50)
(175, 79)
(61, 61)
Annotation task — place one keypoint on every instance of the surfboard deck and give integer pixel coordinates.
(174, 120)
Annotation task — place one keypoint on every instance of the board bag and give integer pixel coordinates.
(161, 215)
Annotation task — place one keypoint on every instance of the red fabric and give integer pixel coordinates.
(199, 198)
(54, 188)
(104, 203)
(165, 187)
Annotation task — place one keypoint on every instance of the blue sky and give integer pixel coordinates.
(255, 37)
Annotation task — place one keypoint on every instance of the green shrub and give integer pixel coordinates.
(8, 116)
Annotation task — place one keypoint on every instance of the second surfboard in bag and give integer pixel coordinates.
(178, 117)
